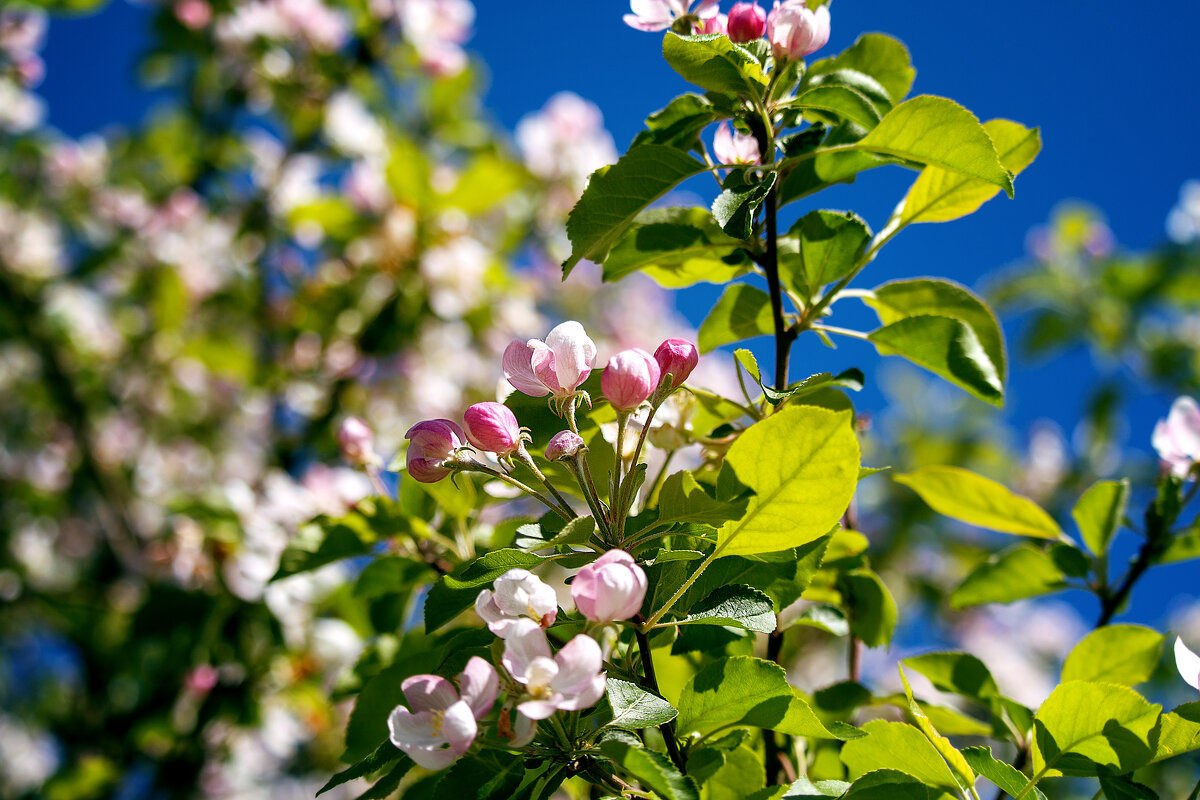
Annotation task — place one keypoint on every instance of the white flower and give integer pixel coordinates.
(570, 680)
(1177, 438)
(519, 595)
(1188, 664)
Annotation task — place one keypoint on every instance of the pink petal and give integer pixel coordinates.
(413, 730)
(585, 696)
(429, 693)
(525, 642)
(538, 709)
(479, 686)
(431, 758)
(649, 26)
(578, 662)
(542, 361)
(518, 370)
(458, 727)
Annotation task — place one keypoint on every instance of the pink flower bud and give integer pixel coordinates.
(558, 365)
(735, 147)
(564, 444)
(433, 443)
(714, 24)
(747, 21)
(201, 680)
(630, 378)
(194, 14)
(795, 31)
(492, 427)
(677, 357)
(610, 588)
(357, 442)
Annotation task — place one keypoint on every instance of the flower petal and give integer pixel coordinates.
(414, 730)
(578, 662)
(525, 642)
(574, 352)
(429, 693)
(1188, 664)
(518, 370)
(479, 685)
(586, 696)
(458, 727)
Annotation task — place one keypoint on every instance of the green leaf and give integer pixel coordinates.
(822, 247)
(682, 499)
(1117, 788)
(890, 784)
(713, 62)
(456, 592)
(738, 203)
(824, 618)
(487, 181)
(488, 776)
(959, 673)
(1005, 776)
(1180, 732)
(1019, 572)
(317, 544)
(938, 132)
(651, 768)
(899, 300)
(746, 691)
(802, 464)
(743, 312)
(940, 195)
(385, 754)
(958, 765)
(1085, 729)
(735, 606)
(883, 58)
(869, 606)
(616, 194)
(635, 708)
(388, 784)
(900, 747)
(740, 775)
(677, 247)
(842, 102)
(1099, 513)
(1182, 547)
(1124, 654)
(679, 124)
(947, 347)
(976, 500)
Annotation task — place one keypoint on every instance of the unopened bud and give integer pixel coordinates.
(492, 427)
(677, 357)
(357, 442)
(747, 21)
(433, 443)
(630, 378)
(795, 31)
(564, 444)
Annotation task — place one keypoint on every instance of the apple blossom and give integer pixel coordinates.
(433, 443)
(1188, 663)
(558, 365)
(570, 680)
(440, 725)
(564, 444)
(492, 427)
(795, 31)
(610, 588)
(746, 22)
(519, 595)
(1177, 438)
(357, 442)
(677, 357)
(658, 15)
(735, 147)
(714, 24)
(630, 378)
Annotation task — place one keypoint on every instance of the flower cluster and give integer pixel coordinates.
(440, 724)
(792, 28)
(1177, 438)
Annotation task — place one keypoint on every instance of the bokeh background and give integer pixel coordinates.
(158, 142)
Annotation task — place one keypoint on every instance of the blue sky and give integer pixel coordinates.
(1112, 86)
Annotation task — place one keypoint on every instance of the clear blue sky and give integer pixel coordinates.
(1112, 85)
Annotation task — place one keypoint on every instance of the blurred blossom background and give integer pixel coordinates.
(227, 224)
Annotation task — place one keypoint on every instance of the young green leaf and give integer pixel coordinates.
(890, 784)
(677, 247)
(938, 132)
(734, 606)
(651, 768)
(635, 708)
(713, 62)
(616, 194)
(1019, 572)
(681, 499)
(742, 312)
(802, 464)
(899, 300)
(1180, 732)
(958, 764)
(870, 607)
(1004, 775)
(1086, 729)
(883, 58)
(897, 746)
(977, 500)
(1099, 513)
(384, 755)
(947, 347)
(1124, 654)
(959, 673)
(739, 776)
(737, 204)
(820, 248)
(834, 103)
(679, 123)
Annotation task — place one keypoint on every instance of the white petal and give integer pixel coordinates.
(518, 369)
(525, 642)
(458, 727)
(574, 352)
(429, 693)
(479, 685)
(414, 730)
(1188, 664)
(578, 662)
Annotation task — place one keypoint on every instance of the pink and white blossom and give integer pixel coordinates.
(440, 724)
(1177, 438)
(556, 366)
(610, 588)
(795, 31)
(630, 379)
(357, 442)
(746, 22)
(1188, 664)
(677, 357)
(492, 427)
(519, 596)
(735, 147)
(570, 680)
(658, 15)
(432, 444)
